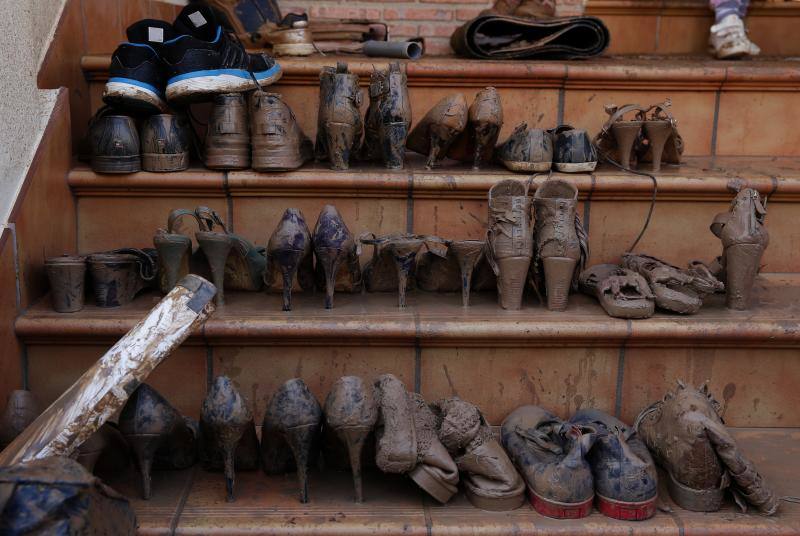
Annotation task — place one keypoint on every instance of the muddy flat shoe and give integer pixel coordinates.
(621, 292)
(118, 275)
(573, 150)
(278, 141)
(165, 140)
(114, 144)
(440, 127)
(227, 144)
(485, 119)
(527, 150)
(289, 255)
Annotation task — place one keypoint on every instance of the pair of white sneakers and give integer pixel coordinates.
(728, 39)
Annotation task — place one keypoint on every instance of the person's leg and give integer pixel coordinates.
(743, 5)
(723, 8)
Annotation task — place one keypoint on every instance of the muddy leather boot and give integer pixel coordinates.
(117, 276)
(114, 145)
(337, 266)
(687, 438)
(527, 150)
(106, 451)
(67, 276)
(476, 144)
(277, 140)
(625, 478)
(388, 118)
(292, 422)
(561, 245)
(551, 456)
(573, 151)
(621, 292)
(21, 410)
(491, 481)
(351, 412)
(744, 239)
(153, 428)
(228, 433)
(339, 124)
(165, 140)
(289, 254)
(228, 136)
(509, 240)
(440, 127)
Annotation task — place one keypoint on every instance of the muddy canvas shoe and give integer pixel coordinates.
(490, 479)
(622, 293)
(573, 150)
(625, 479)
(114, 144)
(527, 150)
(689, 440)
(744, 239)
(165, 140)
(485, 119)
(440, 127)
(339, 123)
(728, 39)
(551, 456)
(277, 140)
(388, 118)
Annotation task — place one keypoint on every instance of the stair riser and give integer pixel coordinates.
(754, 387)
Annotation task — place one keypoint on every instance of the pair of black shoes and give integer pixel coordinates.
(185, 61)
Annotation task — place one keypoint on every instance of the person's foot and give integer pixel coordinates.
(728, 39)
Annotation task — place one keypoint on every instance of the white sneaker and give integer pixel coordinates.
(728, 39)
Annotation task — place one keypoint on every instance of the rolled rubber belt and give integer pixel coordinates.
(505, 37)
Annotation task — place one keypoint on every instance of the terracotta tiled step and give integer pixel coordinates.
(450, 202)
(193, 502)
(723, 108)
(681, 26)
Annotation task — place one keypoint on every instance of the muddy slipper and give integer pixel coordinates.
(622, 293)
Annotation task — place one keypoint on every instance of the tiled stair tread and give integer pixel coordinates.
(697, 176)
(193, 502)
(437, 319)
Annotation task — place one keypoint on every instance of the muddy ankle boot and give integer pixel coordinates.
(67, 276)
(625, 478)
(292, 422)
(561, 245)
(509, 240)
(339, 124)
(165, 140)
(227, 143)
(235, 263)
(114, 145)
(551, 456)
(150, 424)
(527, 150)
(621, 292)
(174, 250)
(476, 144)
(491, 481)
(744, 239)
(687, 437)
(337, 265)
(118, 275)
(289, 254)
(388, 118)
(106, 451)
(351, 412)
(278, 141)
(21, 410)
(228, 433)
(573, 151)
(440, 127)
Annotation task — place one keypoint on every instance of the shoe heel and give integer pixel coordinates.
(331, 259)
(144, 450)
(485, 139)
(173, 261)
(229, 437)
(339, 141)
(466, 283)
(216, 248)
(511, 281)
(741, 268)
(300, 440)
(403, 264)
(354, 438)
(393, 144)
(441, 138)
(288, 261)
(558, 273)
(657, 132)
(625, 134)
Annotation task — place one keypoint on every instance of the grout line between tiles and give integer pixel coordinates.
(560, 113)
(587, 207)
(410, 205)
(658, 34)
(621, 369)
(209, 364)
(187, 488)
(714, 124)
(426, 510)
(228, 201)
(417, 356)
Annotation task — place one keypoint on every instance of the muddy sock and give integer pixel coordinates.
(723, 8)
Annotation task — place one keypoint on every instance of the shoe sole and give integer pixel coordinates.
(211, 82)
(581, 167)
(293, 49)
(132, 95)
(528, 166)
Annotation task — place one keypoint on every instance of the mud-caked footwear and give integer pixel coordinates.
(67, 277)
(388, 118)
(573, 151)
(490, 479)
(625, 478)
(292, 425)
(744, 239)
(485, 119)
(106, 451)
(687, 437)
(174, 250)
(114, 144)
(118, 275)
(621, 292)
(227, 144)
(290, 255)
(277, 140)
(440, 127)
(165, 140)
(379, 273)
(728, 39)
(527, 150)
(21, 410)
(551, 456)
(339, 123)
(336, 254)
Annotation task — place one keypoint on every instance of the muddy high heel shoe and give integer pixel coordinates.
(334, 249)
(440, 127)
(388, 118)
(744, 239)
(620, 139)
(228, 432)
(292, 421)
(289, 255)
(468, 253)
(351, 411)
(339, 124)
(561, 245)
(478, 141)
(174, 250)
(106, 451)
(664, 143)
(118, 275)
(21, 410)
(509, 240)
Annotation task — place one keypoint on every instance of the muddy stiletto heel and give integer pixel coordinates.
(288, 250)
(625, 134)
(468, 253)
(657, 132)
(434, 134)
(216, 247)
(404, 254)
(334, 245)
(486, 133)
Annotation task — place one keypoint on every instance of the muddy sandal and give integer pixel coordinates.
(622, 293)
(618, 138)
(664, 143)
(174, 250)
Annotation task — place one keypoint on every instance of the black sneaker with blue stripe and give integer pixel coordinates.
(204, 59)
(136, 80)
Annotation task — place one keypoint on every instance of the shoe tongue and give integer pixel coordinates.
(150, 32)
(198, 21)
